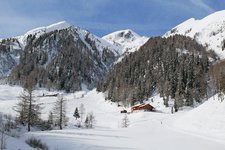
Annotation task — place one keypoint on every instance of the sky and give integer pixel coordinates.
(101, 17)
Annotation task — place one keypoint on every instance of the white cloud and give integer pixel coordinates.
(203, 5)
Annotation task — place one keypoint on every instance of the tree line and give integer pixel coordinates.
(176, 67)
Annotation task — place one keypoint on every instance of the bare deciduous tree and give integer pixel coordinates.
(82, 112)
(60, 111)
(90, 120)
(125, 121)
(28, 108)
(2, 133)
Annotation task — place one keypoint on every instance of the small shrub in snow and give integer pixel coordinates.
(78, 124)
(90, 120)
(36, 143)
(9, 122)
(44, 125)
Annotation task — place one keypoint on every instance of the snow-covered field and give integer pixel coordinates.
(196, 129)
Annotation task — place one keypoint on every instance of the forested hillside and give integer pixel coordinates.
(63, 60)
(176, 67)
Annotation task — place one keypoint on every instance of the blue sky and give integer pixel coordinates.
(146, 17)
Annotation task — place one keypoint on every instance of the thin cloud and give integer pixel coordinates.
(203, 5)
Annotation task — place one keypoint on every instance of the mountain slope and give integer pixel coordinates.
(63, 57)
(174, 67)
(209, 31)
(12, 48)
(206, 119)
(126, 40)
(10, 51)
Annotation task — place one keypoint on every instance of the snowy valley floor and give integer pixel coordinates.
(196, 129)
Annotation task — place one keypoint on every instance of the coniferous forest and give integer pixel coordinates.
(177, 67)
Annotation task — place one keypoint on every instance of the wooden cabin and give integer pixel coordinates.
(145, 107)
(134, 108)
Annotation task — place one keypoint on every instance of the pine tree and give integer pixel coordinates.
(76, 114)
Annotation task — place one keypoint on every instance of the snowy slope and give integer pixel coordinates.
(207, 119)
(209, 31)
(100, 44)
(146, 128)
(126, 40)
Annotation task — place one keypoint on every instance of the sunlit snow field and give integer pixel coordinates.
(199, 128)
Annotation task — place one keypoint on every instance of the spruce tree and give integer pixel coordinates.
(76, 114)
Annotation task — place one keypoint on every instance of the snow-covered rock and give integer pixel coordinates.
(209, 31)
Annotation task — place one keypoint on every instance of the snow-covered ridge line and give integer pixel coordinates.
(41, 30)
(209, 31)
(56, 26)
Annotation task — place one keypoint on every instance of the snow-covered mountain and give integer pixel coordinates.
(100, 43)
(119, 43)
(209, 31)
(42, 30)
(69, 55)
(127, 41)
(12, 48)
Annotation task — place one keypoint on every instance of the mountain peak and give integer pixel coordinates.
(126, 34)
(58, 26)
(208, 31)
(127, 40)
